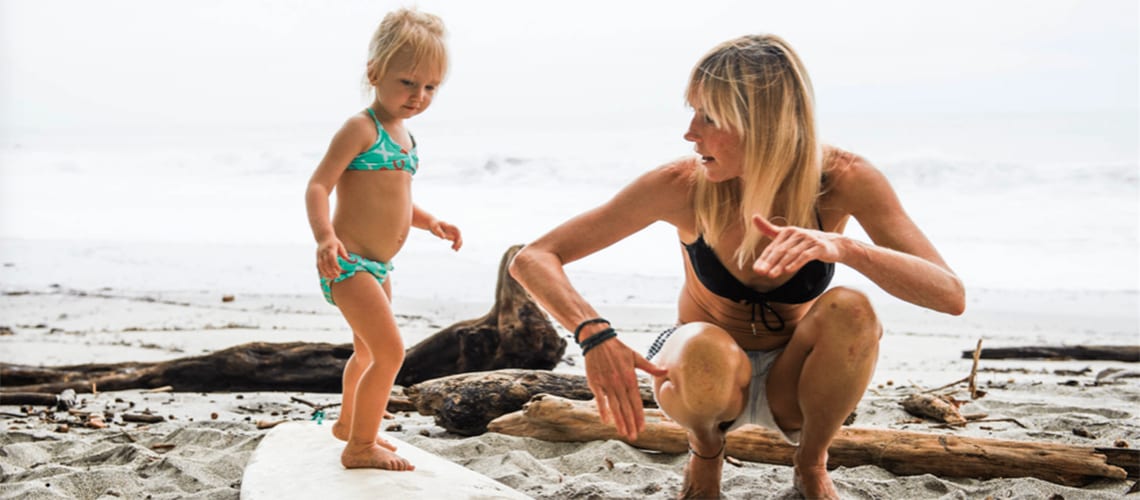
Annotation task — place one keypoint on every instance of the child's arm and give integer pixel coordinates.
(421, 219)
(349, 141)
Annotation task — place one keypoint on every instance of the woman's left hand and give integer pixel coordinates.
(793, 247)
(447, 232)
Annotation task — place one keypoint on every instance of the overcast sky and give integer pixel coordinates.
(72, 65)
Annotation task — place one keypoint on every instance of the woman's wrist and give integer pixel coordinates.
(597, 339)
(851, 251)
(589, 328)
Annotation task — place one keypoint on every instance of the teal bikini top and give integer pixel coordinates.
(386, 154)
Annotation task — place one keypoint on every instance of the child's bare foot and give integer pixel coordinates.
(373, 456)
(702, 475)
(812, 481)
(340, 431)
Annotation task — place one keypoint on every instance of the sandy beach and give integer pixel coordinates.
(150, 170)
(200, 448)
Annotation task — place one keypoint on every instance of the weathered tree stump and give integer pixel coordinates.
(900, 452)
(514, 334)
(1130, 353)
(465, 403)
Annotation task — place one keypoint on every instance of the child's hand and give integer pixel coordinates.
(447, 232)
(327, 252)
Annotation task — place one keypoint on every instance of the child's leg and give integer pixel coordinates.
(366, 307)
(360, 358)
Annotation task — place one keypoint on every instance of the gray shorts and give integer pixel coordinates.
(756, 409)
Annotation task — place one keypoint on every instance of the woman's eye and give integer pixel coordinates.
(709, 120)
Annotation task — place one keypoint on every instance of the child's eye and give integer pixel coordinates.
(408, 83)
(430, 88)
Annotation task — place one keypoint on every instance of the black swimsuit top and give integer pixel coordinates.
(808, 283)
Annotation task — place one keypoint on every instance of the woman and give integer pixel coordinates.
(760, 215)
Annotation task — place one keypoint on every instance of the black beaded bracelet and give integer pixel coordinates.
(578, 330)
(596, 340)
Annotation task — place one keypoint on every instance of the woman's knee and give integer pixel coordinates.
(849, 311)
(707, 373)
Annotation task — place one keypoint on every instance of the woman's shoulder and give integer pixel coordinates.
(845, 171)
(665, 192)
(851, 183)
(680, 173)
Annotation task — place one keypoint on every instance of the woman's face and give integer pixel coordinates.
(720, 148)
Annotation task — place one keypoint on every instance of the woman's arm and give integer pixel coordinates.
(661, 194)
(902, 261)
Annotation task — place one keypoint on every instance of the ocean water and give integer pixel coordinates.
(1016, 202)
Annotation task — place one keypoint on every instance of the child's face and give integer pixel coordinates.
(407, 89)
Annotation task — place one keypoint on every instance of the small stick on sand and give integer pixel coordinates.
(969, 379)
(978, 421)
(141, 418)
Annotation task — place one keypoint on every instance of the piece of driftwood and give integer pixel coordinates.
(28, 398)
(941, 408)
(1125, 458)
(257, 366)
(515, 333)
(1130, 353)
(143, 418)
(900, 452)
(465, 403)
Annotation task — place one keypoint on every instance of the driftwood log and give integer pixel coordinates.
(900, 452)
(515, 333)
(257, 366)
(1130, 353)
(465, 403)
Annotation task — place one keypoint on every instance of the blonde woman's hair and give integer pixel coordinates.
(757, 87)
(420, 32)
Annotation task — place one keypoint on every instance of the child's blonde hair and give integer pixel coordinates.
(757, 87)
(420, 32)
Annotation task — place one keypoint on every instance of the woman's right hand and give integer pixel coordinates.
(611, 377)
(327, 252)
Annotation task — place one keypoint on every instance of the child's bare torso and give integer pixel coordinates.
(373, 212)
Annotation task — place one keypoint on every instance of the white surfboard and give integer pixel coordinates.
(302, 460)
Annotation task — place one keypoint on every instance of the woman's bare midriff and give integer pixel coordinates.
(373, 212)
(697, 303)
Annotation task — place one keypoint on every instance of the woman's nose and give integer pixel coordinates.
(690, 135)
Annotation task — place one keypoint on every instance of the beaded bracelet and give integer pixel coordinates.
(596, 340)
(583, 324)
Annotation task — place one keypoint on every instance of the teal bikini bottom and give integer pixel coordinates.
(348, 269)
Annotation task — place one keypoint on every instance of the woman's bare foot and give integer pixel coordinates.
(373, 456)
(702, 475)
(340, 431)
(812, 480)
